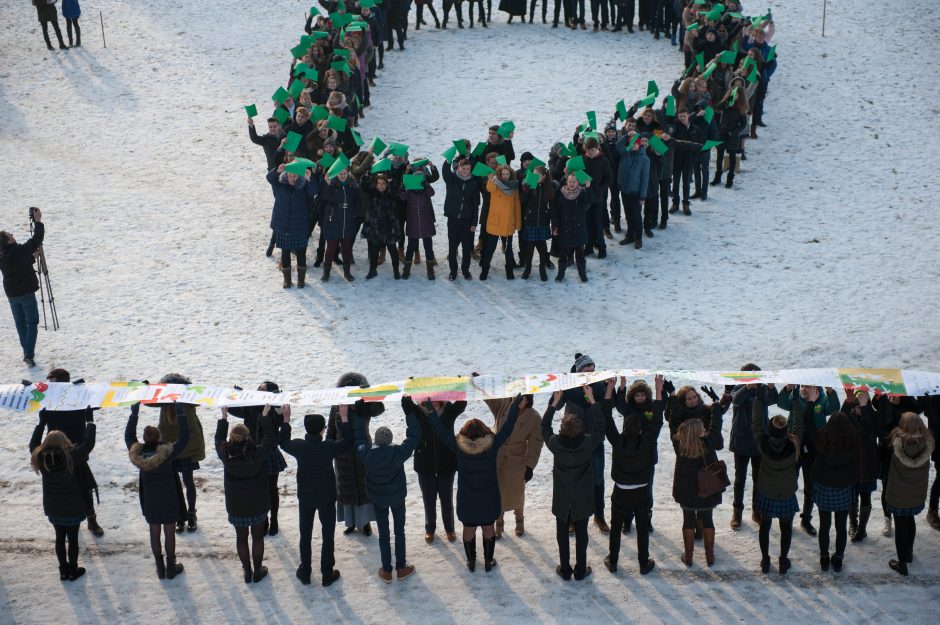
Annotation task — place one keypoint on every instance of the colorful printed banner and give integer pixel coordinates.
(66, 396)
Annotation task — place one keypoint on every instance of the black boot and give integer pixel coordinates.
(287, 279)
(509, 273)
(730, 182)
(543, 274)
(347, 274)
(582, 270)
(470, 548)
(301, 276)
(373, 264)
(430, 266)
(270, 251)
(686, 210)
(319, 259)
(161, 568)
(75, 571)
(717, 179)
(191, 524)
(489, 548)
(395, 271)
(853, 519)
(326, 273)
(93, 526)
(864, 514)
(407, 272)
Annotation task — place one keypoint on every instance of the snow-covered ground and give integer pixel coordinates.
(824, 254)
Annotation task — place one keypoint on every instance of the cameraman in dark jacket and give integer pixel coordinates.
(20, 283)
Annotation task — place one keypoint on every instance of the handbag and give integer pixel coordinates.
(712, 478)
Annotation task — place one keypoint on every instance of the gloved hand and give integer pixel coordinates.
(135, 409)
(710, 392)
(79, 381)
(528, 473)
(669, 387)
(407, 404)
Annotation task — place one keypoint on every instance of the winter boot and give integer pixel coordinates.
(301, 275)
(853, 519)
(932, 518)
(489, 548)
(417, 257)
(191, 524)
(730, 182)
(509, 272)
(562, 265)
(407, 272)
(864, 513)
(395, 271)
(543, 274)
(674, 209)
(499, 525)
(709, 539)
(326, 273)
(161, 568)
(685, 209)
(372, 272)
(430, 270)
(470, 548)
(582, 271)
(381, 259)
(688, 542)
(93, 526)
(886, 530)
(717, 179)
(520, 526)
(246, 572)
(287, 280)
(347, 274)
(736, 518)
(75, 571)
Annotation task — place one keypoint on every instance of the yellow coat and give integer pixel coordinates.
(505, 215)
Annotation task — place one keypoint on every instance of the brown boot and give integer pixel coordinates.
(520, 525)
(500, 524)
(709, 539)
(93, 526)
(417, 260)
(753, 132)
(287, 280)
(688, 542)
(381, 256)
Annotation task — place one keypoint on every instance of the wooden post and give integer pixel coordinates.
(824, 19)
(103, 40)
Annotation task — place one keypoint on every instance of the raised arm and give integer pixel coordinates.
(442, 433)
(130, 430)
(36, 439)
(547, 431)
(221, 433)
(412, 436)
(506, 431)
(183, 439)
(81, 451)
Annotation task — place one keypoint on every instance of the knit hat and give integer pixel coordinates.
(581, 361)
(383, 436)
(526, 156)
(314, 424)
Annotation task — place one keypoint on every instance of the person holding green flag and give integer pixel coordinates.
(293, 187)
(338, 207)
(503, 219)
(416, 192)
(569, 223)
(734, 112)
(461, 207)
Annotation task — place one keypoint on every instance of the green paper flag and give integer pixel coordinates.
(649, 100)
(449, 154)
(307, 40)
(327, 160)
(772, 54)
(338, 165)
(636, 136)
(314, 11)
(251, 110)
(692, 26)
(295, 88)
(582, 176)
(652, 88)
(293, 141)
(377, 145)
(592, 119)
(658, 145)
(734, 96)
(319, 113)
(569, 150)
(728, 57)
(336, 123)
(481, 170)
(461, 147)
(300, 68)
(710, 144)
(501, 160)
(319, 34)
(398, 149)
(582, 127)
(709, 114)
(670, 106)
(736, 15)
(311, 74)
(535, 163)
(383, 165)
(575, 163)
(340, 19)
(281, 95)
(532, 179)
(299, 166)
(357, 138)
(621, 111)
(753, 76)
(281, 115)
(478, 150)
(590, 134)
(340, 66)
(367, 4)
(299, 50)
(341, 52)
(748, 61)
(710, 69)
(418, 164)
(413, 182)
(700, 59)
(506, 129)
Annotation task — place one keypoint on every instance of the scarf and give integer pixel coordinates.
(570, 195)
(463, 178)
(506, 187)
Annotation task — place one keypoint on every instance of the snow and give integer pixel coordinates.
(824, 254)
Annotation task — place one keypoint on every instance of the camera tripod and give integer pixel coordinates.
(45, 286)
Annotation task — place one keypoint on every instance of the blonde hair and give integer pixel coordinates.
(239, 434)
(55, 440)
(910, 427)
(689, 435)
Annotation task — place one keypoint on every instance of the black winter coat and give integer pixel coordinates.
(433, 457)
(350, 472)
(570, 217)
(536, 204)
(572, 471)
(157, 483)
(62, 489)
(380, 224)
(601, 176)
(316, 481)
(478, 501)
(742, 402)
(246, 478)
(866, 422)
(650, 412)
(338, 207)
(72, 424)
(16, 264)
(633, 458)
(685, 476)
(270, 143)
(462, 199)
(251, 415)
(729, 130)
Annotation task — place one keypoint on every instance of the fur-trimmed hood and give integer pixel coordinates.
(475, 446)
(921, 448)
(151, 461)
(351, 378)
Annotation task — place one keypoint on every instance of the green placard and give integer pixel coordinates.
(709, 114)
(383, 165)
(658, 145)
(622, 111)
(575, 163)
(281, 115)
(728, 57)
(700, 60)
(535, 163)
(295, 88)
(356, 137)
(251, 110)
(692, 26)
(652, 88)
(506, 129)
(398, 149)
(753, 76)
(338, 165)
(772, 54)
(281, 95)
(649, 100)
(418, 164)
(636, 136)
(299, 50)
(378, 146)
(532, 179)
(327, 160)
(319, 113)
(298, 166)
(341, 52)
(413, 182)
(314, 11)
(670, 106)
(336, 123)
(293, 141)
(710, 144)
(501, 160)
(300, 68)
(592, 119)
(481, 170)
(709, 70)
(449, 154)
(319, 34)
(340, 66)
(582, 177)
(478, 150)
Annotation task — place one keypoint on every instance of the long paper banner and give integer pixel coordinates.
(66, 396)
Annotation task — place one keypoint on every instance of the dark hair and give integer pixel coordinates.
(571, 426)
(631, 425)
(5, 238)
(750, 367)
(59, 375)
(590, 144)
(474, 429)
(273, 119)
(838, 434)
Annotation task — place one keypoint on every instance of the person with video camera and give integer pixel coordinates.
(20, 283)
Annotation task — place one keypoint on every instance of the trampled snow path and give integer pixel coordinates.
(157, 216)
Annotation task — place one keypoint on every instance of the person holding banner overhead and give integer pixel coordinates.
(186, 461)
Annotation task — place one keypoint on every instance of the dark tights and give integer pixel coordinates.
(63, 532)
(73, 23)
(58, 33)
(825, 522)
(301, 257)
(190, 485)
(564, 546)
(257, 545)
(786, 535)
(169, 537)
(704, 516)
(274, 495)
(905, 528)
(331, 246)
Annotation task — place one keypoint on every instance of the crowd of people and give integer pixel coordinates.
(351, 474)
(568, 206)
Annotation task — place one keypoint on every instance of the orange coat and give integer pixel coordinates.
(505, 215)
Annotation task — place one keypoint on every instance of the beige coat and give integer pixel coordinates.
(520, 451)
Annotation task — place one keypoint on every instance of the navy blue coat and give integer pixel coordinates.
(245, 476)
(634, 171)
(478, 501)
(62, 489)
(462, 200)
(316, 481)
(570, 217)
(157, 484)
(742, 401)
(385, 464)
(339, 209)
(290, 216)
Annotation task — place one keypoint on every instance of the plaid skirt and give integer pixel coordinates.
(833, 499)
(275, 462)
(247, 521)
(776, 508)
(904, 511)
(66, 521)
(186, 464)
(535, 233)
(288, 241)
(865, 487)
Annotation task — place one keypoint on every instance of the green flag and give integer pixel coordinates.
(299, 166)
(327, 160)
(481, 170)
(341, 52)
(772, 54)
(532, 179)
(710, 69)
(293, 141)
(281, 95)
(753, 76)
(728, 57)
(314, 11)
(413, 182)
(700, 59)
(383, 165)
(281, 115)
(356, 137)
(336, 123)
(461, 146)
(299, 50)
(692, 26)
(295, 88)
(251, 110)
(398, 149)
(658, 145)
(506, 129)
(319, 34)
(649, 100)
(478, 150)
(319, 113)
(300, 68)
(418, 164)
(621, 111)
(575, 163)
(709, 114)
(449, 154)
(670, 106)
(535, 163)
(338, 165)
(582, 176)
(592, 119)
(501, 159)
(633, 140)
(340, 66)
(734, 96)
(710, 144)
(377, 145)
(652, 88)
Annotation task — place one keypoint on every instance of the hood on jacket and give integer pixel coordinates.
(151, 461)
(913, 453)
(475, 446)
